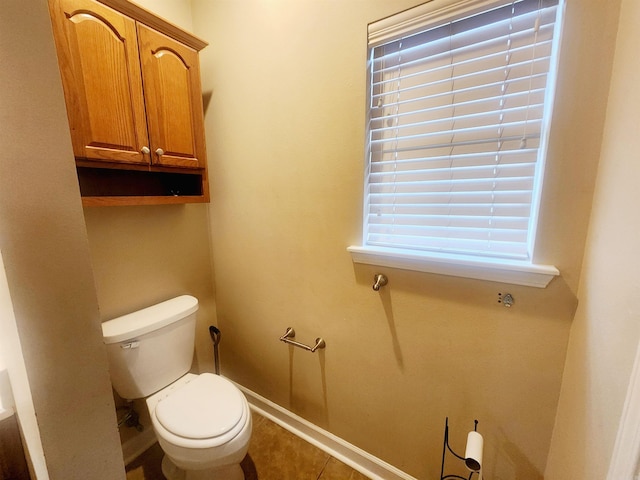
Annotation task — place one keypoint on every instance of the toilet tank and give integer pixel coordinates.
(151, 348)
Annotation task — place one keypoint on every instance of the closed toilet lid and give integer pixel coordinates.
(206, 407)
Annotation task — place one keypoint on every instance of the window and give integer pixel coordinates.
(460, 98)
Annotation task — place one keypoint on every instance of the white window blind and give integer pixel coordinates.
(458, 118)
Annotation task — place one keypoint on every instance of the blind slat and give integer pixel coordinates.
(503, 157)
(395, 67)
(511, 100)
(474, 133)
(455, 94)
(487, 119)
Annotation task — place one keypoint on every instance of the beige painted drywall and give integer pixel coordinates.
(45, 252)
(18, 390)
(143, 255)
(285, 129)
(606, 330)
(176, 11)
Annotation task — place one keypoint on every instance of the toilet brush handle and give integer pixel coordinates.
(215, 337)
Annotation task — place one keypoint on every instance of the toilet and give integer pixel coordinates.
(202, 422)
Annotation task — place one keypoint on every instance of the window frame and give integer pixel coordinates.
(512, 271)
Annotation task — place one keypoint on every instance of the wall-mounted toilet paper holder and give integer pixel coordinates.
(291, 333)
(472, 455)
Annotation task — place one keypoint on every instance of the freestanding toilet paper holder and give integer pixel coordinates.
(473, 453)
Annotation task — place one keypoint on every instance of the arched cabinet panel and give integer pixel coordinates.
(171, 77)
(101, 76)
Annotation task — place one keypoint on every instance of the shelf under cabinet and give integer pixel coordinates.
(110, 186)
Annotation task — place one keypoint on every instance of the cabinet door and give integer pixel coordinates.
(99, 63)
(173, 96)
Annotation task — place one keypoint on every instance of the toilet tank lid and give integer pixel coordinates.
(132, 325)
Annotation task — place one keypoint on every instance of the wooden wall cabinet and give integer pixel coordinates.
(132, 87)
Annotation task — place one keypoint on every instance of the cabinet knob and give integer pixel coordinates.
(160, 152)
(145, 150)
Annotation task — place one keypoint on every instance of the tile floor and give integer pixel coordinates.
(274, 454)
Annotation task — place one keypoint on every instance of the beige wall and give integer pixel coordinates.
(605, 332)
(176, 11)
(285, 130)
(44, 247)
(147, 254)
(140, 255)
(144, 255)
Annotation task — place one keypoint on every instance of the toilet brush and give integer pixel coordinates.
(215, 336)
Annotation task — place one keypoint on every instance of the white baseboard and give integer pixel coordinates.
(365, 463)
(138, 444)
(625, 459)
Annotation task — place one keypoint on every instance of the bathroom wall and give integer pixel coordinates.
(605, 332)
(177, 12)
(15, 392)
(285, 130)
(145, 254)
(46, 257)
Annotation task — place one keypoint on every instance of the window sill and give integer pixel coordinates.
(495, 270)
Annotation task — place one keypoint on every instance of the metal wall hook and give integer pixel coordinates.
(379, 280)
(507, 299)
(291, 333)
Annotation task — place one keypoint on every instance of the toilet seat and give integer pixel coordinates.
(206, 407)
(205, 411)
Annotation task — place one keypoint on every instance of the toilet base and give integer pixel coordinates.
(229, 472)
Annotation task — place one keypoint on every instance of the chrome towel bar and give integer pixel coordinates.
(290, 334)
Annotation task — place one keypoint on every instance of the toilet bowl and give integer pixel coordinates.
(203, 425)
(202, 422)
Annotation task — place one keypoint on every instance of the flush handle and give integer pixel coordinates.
(130, 345)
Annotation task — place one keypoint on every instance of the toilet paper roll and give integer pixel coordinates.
(473, 452)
